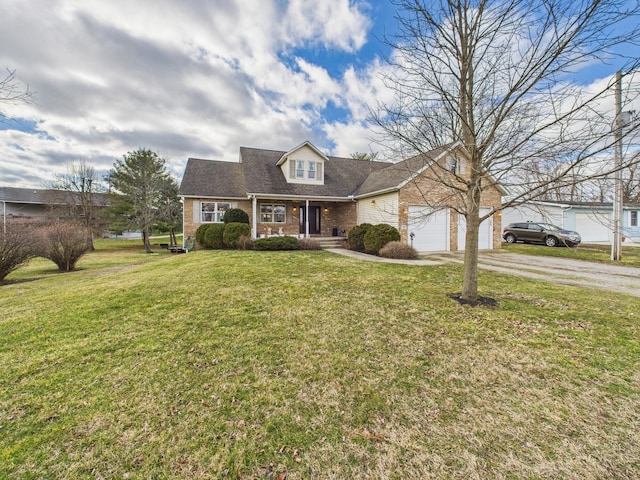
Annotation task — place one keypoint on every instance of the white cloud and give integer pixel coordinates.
(185, 79)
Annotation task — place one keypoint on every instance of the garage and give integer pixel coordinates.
(593, 227)
(485, 234)
(430, 229)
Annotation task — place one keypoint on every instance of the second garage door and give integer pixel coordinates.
(430, 229)
(592, 227)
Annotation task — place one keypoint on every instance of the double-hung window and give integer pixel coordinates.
(311, 173)
(213, 211)
(270, 213)
(633, 218)
(299, 168)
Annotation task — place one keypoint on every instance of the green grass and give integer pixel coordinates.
(630, 256)
(304, 364)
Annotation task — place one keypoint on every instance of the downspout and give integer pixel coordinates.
(4, 216)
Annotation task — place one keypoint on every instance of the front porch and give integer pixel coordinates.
(302, 218)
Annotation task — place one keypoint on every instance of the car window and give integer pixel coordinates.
(549, 226)
(535, 227)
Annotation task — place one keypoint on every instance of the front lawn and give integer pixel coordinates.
(292, 365)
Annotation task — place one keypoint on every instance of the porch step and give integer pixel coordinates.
(331, 242)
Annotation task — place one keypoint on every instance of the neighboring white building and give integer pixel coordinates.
(592, 220)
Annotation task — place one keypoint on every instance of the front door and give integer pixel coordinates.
(314, 220)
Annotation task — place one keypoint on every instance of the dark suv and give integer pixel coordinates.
(540, 232)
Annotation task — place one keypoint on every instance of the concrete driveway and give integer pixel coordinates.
(558, 270)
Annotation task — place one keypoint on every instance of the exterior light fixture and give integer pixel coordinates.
(373, 203)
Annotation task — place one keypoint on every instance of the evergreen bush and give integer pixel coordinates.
(232, 233)
(213, 236)
(276, 243)
(356, 236)
(235, 215)
(378, 236)
(200, 233)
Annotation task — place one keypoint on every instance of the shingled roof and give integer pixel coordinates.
(258, 173)
(37, 196)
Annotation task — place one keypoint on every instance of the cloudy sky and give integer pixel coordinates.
(187, 78)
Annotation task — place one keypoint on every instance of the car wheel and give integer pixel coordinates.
(551, 241)
(510, 238)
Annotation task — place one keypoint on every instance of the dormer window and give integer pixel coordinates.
(304, 164)
(306, 170)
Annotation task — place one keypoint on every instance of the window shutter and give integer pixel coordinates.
(319, 166)
(196, 211)
(292, 168)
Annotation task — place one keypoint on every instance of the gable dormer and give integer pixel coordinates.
(304, 164)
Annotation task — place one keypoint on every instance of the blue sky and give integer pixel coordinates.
(188, 79)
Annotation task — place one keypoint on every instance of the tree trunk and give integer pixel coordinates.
(147, 241)
(470, 280)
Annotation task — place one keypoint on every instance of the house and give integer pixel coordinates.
(592, 220)
(38, 205)
(304, 192)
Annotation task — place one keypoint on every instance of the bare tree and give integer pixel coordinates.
(11, 90)
(83, 195)
(495, 77)
(16, 247)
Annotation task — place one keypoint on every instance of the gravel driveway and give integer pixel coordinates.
(551, 269)
(560, 270)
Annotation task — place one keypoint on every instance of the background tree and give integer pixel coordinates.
(11, 91)
(82, 193)
(170, 210)
(495, 77)
(141, 179)
(369, 157)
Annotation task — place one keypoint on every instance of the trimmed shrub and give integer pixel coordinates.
(276, 243)
(16, 248)
(63, 243)
(235, 215)
(356, 236)
(399, 250)
(233, 231)
(213, 236)
(245, 242)
(308, 244)
(378, 236)
(200, 233)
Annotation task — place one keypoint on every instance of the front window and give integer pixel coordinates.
(213, 211)
(299, 169)
(273, 213)
(312, 170)
(633, 221)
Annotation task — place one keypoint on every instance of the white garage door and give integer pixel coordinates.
(485, 234)
(593, 227)
(430, 229)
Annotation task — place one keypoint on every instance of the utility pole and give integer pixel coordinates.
(616, 245)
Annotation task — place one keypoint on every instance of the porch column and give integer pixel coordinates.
(306, 222)
(254, 218)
